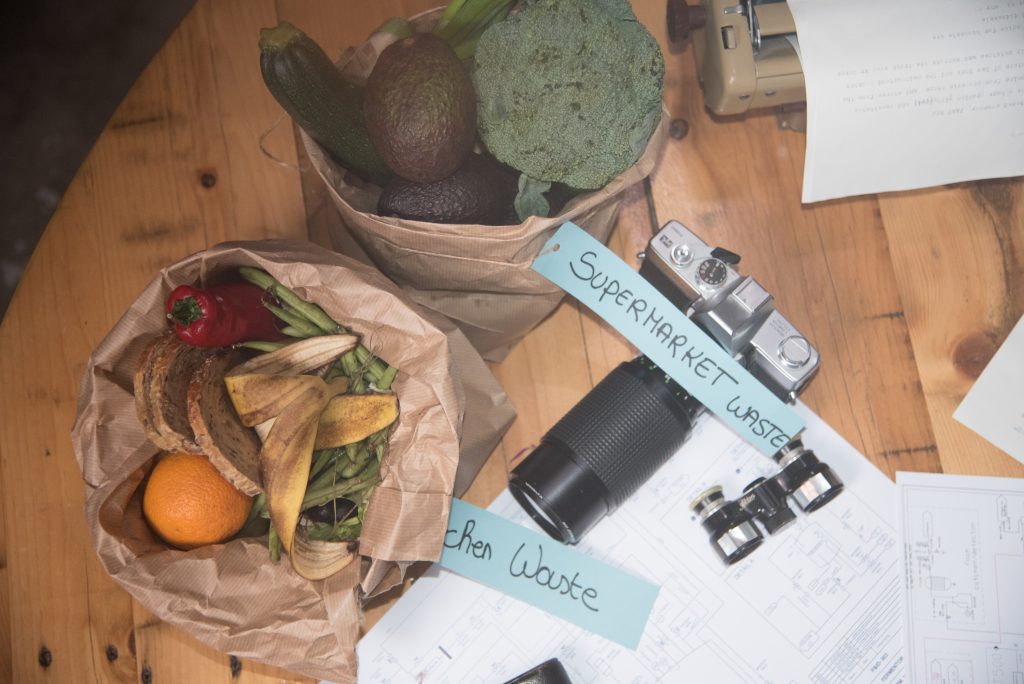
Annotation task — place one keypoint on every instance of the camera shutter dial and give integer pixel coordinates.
(712, 273)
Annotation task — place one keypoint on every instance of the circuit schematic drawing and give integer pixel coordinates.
(964, 550)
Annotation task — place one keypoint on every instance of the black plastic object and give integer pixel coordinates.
(766, 501)
(682, 20)
(722, 254)
(600, 452)
(548, 672)
(332, 512)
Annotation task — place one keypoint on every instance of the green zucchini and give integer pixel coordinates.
(312, 90)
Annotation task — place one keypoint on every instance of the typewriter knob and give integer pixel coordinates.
(682, 19)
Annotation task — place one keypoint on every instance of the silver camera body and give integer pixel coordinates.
(734, 309)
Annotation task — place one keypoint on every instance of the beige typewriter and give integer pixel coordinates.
(745, 52)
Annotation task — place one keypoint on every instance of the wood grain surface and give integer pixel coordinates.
(906, 295)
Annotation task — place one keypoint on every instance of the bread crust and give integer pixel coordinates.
(168, 394)
(142, 380)
(183, 405)
(232, 448)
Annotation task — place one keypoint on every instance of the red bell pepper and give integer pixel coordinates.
(221, 315)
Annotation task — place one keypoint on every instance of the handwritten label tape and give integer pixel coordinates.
(538, 570)
(590, 272)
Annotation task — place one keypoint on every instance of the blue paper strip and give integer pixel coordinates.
(590, 272)
(538, 570)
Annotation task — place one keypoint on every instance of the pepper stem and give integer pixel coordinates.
(186, 311)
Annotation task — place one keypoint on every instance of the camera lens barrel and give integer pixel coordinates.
(599, 453)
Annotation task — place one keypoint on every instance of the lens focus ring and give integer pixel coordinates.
(623, 430)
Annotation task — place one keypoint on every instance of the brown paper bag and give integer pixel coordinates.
(478, 276)
(232, 596)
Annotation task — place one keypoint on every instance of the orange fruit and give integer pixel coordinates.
(188, 503)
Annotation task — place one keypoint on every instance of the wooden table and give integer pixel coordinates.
(907, 296)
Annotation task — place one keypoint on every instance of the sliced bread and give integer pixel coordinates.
(143, 379)
(168, 394)
(232, 448)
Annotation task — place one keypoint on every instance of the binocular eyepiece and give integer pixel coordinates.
(811, 483)
(730, 524)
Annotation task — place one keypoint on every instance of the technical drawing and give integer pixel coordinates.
(950, 671)
(964, 546)
(819, 602)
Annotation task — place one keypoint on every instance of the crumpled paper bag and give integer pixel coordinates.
(478, 276)
(232, 596)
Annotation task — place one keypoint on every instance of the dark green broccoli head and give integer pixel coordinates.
(568, 90)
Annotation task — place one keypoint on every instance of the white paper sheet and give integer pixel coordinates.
(819, 602)
(964, 567)
(994, 406)
(910, 93)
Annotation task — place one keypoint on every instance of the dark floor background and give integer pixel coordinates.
(64, 67)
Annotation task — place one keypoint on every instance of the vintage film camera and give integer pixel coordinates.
(614, 439)
(734, 310)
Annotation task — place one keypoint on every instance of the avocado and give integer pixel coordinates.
(420, 108)
(480, 191)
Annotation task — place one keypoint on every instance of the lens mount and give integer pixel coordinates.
(565, 498)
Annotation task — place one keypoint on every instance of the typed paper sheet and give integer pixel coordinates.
(910, 94)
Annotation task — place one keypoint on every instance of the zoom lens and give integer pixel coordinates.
(729, 526)
(600, 452)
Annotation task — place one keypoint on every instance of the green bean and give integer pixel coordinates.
(310, 311)
(260, 346)
(294, 320)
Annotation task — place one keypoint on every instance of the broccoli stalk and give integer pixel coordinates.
(530, 201)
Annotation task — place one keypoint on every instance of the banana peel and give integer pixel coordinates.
(298, 357)
(258, 398)
(315, 559)
(350, 418)
(295, 413)
(347, 419)
(287, 454)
